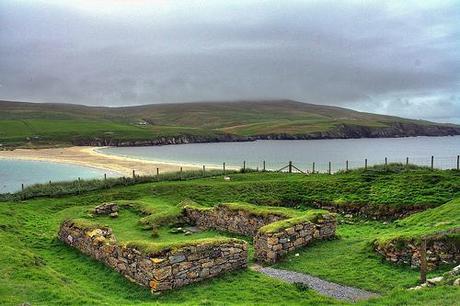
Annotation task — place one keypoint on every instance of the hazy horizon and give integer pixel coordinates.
(393, 58)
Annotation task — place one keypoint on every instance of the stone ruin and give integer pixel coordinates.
(106, 209)
(270, 244)
(440, 249)
(162, 269)
(167, 267)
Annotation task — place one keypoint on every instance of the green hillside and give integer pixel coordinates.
(45, 124)
(38, 269)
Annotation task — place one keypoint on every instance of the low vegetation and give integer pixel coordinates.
(39, 269)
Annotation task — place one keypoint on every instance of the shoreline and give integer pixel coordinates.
(92, 158)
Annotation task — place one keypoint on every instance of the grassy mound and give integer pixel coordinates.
(439, 222)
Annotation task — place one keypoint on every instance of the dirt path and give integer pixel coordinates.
(323, 287)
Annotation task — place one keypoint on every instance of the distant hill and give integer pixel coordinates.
(35, 124)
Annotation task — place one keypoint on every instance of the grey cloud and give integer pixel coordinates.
(342, 53)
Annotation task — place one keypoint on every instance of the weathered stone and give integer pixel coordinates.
(156, 272)
(162, 273)
(106, 209)
(176, 258)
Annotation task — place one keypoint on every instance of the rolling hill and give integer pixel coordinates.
(44, 124)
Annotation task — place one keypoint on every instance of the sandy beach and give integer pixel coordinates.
(90, 157)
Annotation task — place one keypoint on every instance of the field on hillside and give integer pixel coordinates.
(51, 124)
(37, 268)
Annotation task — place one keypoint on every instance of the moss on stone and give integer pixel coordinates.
(85, 224)
(309, 216)
(152, 248)
(260, 210)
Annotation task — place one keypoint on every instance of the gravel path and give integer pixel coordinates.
(323, 287)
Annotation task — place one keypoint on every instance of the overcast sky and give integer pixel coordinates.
(400, 57)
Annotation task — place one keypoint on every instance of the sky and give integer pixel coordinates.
(390, 57)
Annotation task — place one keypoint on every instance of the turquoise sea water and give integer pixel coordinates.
(13, 173)
(303, 153)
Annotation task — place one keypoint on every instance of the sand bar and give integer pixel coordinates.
(90, 157)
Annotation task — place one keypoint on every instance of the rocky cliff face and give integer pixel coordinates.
(341, 131)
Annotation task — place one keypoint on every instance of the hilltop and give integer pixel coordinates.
(23, 123)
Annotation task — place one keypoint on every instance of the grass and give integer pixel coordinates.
(260, 210)
(351, 261)
(437, 221)
(35, 124)
(310, 216)
(35, 267)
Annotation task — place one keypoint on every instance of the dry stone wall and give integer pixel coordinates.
(163, 270)
(270, 246)
(440, 250)
(229, 220)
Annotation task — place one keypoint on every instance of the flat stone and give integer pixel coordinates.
(176, 258)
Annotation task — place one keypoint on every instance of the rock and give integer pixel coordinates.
(226, 178)
(348, 216)
(114, 215)
(176, 258)
(434, 280)
(457, 282)
(106, 209)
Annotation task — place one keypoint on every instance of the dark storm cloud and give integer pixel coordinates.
(399, 57)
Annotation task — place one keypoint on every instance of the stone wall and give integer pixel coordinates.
(270, 246)
(440, 250)
(159, 270)
(225, 219)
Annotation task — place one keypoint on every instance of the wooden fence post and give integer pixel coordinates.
(407, 161)
(346, 166)
(105, 176)
(204, 170)
(386, 162)
(223, 167)
(180, 175)
(365, 164)
(264, 166)
(290, 167)
(22, 187)
(432, 162)
(423, 261)
(158, 174)
(458, 162)
(134, 174)
(244, 166)
(313, 168)
(329, 170)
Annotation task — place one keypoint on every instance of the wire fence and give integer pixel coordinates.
(79, 185)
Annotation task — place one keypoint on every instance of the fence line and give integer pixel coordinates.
(325, 167)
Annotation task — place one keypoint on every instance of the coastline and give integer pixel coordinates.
(91, 157)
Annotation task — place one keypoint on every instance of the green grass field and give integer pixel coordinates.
(37, 268)
(36, 124)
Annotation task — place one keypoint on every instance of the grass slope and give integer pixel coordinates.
(37, 123)
(35, 267)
